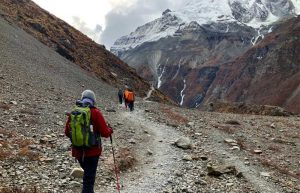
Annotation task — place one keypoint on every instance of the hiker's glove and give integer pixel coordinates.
(108, 125)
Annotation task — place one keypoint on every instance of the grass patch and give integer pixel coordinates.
(20, 146)
(174, 116)
(29, 112)
(280, 168)
(4, 106)
(126, 159)
(19, 190)
(232, 122)
(31, 155)
(225, 128)
(30, 120)
(242, 144)
(274, 147)
(4, 154)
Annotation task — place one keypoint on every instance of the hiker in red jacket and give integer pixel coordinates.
(89, 157)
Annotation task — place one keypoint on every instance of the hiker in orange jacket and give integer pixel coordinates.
(89, 157)
(130, 99)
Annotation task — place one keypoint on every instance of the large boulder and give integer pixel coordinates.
(184, 143)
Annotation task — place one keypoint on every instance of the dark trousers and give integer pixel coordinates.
(89, 165)
(131, 105)
(126, 103)
(120, 99)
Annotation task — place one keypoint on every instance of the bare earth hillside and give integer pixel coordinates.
(73, 45)
(222, 153)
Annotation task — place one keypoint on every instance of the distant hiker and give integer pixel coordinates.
(211, 107)
(120, 95)
(85, 126)
(125, 96)
(130, 99)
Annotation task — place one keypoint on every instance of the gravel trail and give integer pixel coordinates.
(156, 156)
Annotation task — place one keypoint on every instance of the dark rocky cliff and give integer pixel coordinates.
(268, 73)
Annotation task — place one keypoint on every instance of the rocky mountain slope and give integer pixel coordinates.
(220, 152)
(182, 52)
(268, 73)
(73, 45)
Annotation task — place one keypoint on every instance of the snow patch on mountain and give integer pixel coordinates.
(152, 31)
(297, 6)
(259, 35)
(160, 74)
(203, 12)
(257, 23)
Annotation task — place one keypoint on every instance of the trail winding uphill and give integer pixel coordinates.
(156, 157)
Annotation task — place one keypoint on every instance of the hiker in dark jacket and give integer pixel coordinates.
(120, 95)
(125, 96)
(89, 157)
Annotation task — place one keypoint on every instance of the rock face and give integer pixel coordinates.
(247, 11)
(183, 51)
(185, 66)
(268, 73)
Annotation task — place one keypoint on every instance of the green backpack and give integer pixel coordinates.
(82, 134)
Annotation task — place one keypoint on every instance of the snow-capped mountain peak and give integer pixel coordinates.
(254, 13)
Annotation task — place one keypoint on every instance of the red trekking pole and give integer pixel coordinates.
(116, 170)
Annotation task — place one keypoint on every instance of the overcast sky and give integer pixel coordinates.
(106, 20)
